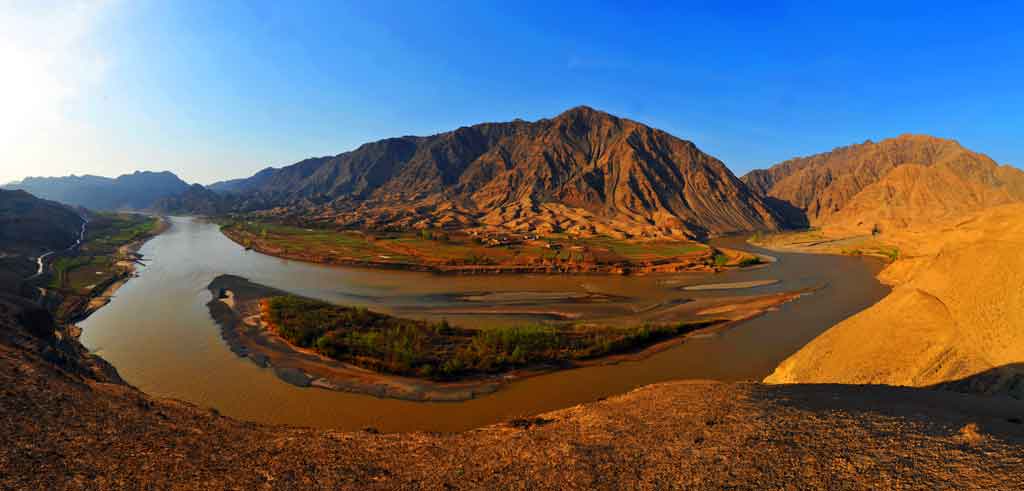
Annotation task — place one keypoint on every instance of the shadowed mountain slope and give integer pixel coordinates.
(29, 225)
(583, 171)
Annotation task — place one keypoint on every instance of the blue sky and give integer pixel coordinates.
(216, 90)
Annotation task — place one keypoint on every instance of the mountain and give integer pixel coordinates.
(896, 182)
(29, 225)
(199, 200)
(584, 171)
(245, 184)
(130, 191)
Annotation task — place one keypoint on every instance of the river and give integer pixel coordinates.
(159, 335)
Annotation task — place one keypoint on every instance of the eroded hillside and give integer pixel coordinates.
(955, 317)
(584, 171)
(903, 182)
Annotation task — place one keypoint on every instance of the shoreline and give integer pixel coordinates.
(99, 297)
(679, 264)
(307, 368)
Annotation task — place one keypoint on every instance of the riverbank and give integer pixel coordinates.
(887, 247)
(457, 252)
(179, 352)
(235, 306)
(124, 262)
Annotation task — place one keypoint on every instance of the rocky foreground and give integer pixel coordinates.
(67, 423)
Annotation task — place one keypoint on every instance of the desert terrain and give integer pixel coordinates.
(954, 318)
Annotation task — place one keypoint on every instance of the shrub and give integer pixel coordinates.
(750, 261)
(440, 350)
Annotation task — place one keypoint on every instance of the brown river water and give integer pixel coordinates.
(159, 335)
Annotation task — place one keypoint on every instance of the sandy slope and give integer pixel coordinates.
(955, 317)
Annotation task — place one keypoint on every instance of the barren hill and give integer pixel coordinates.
(584, 171)
(955, 318)
(860, 185)
(913, 195)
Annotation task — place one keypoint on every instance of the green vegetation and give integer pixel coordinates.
(106, 232)
(451, 249)
(439, 350)
(721, 259)
(750, 261)
(77, 273)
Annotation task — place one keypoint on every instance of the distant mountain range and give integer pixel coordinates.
(584, 171)
(139, 190)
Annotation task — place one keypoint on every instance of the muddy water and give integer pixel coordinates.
(159, 334)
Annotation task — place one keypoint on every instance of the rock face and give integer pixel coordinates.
(898, 182)
(130, 191)
(584, 171)
(955, 318)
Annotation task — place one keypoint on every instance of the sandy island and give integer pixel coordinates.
(739, 285)
(235, 307)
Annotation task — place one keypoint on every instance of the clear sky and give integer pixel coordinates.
(220, 89)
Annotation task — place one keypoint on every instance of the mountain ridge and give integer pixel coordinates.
(138, 190)
(583, 171)
(868, 184)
